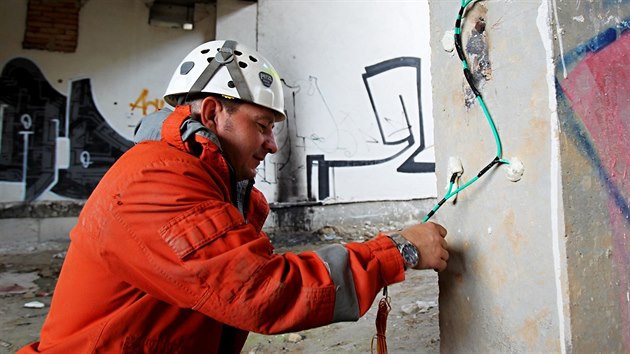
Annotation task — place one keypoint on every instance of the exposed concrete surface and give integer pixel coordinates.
(593, 106)
(16, 230)
(295, 217)
(540, 265)
(499, 292)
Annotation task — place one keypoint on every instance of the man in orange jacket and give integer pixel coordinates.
(169, 256)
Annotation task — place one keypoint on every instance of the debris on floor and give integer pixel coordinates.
(12, 283)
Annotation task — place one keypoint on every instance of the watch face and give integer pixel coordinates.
(410, 254)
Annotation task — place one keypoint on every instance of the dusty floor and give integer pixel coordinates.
(28, 274)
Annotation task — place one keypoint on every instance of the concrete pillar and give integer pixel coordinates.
(542, 264)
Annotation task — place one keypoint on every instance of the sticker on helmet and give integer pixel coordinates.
(265, 78)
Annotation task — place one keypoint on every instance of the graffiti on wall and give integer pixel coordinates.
(392, 132)
(61, 144)
(145, 105)
(51, 142)
(395, 131)
(597, 90)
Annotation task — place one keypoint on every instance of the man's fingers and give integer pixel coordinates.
(441, 266)
(440, 229)
(445, 255)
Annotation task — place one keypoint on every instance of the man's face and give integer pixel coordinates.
(246, 137)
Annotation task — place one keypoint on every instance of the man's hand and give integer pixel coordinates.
(429, 240)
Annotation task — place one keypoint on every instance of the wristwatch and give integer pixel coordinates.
(409, 252)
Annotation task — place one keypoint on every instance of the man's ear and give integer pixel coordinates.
(210, 108)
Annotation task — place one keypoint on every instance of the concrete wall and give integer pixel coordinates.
(237, 19)
(593, 86)
(358, 99)
(539, 265)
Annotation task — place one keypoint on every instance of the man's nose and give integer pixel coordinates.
(270, 143)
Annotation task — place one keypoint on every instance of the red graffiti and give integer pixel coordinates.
(598, 89)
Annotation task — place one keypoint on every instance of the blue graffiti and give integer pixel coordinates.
(582, 141)
(597, 43)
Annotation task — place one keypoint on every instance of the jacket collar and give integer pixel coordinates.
(177, 129)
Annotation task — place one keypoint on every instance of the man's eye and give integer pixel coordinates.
(265, 126)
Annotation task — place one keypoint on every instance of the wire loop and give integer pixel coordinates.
(470, 79)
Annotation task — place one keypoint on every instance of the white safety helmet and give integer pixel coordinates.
(230, 69)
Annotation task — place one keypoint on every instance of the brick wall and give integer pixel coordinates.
(52, 25)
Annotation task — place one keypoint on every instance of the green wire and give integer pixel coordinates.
(450, 193)
(492, 126)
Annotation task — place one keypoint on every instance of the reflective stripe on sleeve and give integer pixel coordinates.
(346, 304)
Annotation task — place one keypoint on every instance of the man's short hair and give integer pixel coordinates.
(194, 100)
(231, 104)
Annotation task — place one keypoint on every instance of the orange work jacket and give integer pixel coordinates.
(162, 261)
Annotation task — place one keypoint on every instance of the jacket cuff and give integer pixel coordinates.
(392, 265)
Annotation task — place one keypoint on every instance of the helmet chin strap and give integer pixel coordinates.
(224, 56)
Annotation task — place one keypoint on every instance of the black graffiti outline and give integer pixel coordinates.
(25, 92)
(324, 166)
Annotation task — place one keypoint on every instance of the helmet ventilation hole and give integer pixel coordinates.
(253, 59)
(205, 51)
(186, 67)
(238, 52)
(242, 64)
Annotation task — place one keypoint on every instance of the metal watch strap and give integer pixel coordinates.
(398, 239)
(401, 243)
